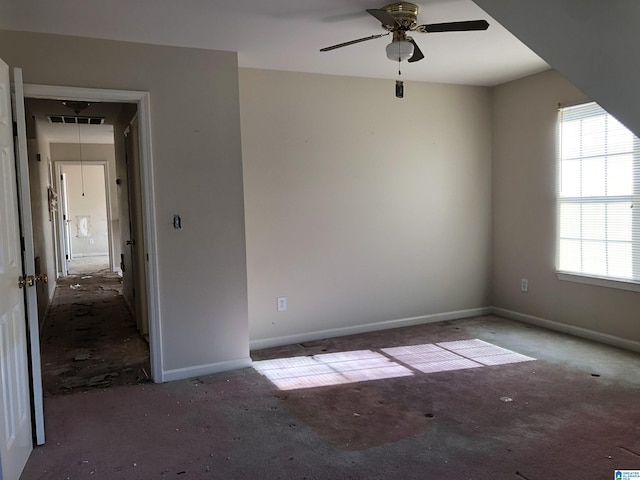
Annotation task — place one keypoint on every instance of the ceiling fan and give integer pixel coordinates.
(399, 19)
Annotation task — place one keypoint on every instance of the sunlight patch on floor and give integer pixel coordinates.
(329, 369)
(484, 352)
(364, 365)
(430, 358)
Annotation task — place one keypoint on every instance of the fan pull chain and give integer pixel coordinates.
(81, 165)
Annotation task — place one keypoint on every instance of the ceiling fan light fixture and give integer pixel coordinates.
(399, 50)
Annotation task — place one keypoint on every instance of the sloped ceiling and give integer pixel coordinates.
(594, 44)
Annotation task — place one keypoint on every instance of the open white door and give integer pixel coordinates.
(15, 411)
(63, 214)
(29, 267)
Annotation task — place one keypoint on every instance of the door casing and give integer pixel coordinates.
(147, 193)
(59, 166)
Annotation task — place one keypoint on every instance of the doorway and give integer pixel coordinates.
(86, 216)
(91, 336)
(139, 102)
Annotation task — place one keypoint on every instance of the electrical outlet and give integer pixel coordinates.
(524, 285)
(282, 303)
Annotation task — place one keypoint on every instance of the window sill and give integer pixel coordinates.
(600, 282)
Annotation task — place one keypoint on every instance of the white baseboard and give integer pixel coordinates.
(569, 329)
(199, 370)
(260, 343)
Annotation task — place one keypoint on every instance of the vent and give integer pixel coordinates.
(75, 120)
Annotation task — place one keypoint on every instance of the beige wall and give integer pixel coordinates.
(87, 200)
(361, 207)
(197, 171)
(94, 199)
(524, 215)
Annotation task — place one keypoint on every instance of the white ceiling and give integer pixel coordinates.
(39, 109)
(69, 133)
(288, 34)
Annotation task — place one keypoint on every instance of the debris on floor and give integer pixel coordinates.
(90, 339)
(103, 380)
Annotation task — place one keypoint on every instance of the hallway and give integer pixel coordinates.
(90, 339)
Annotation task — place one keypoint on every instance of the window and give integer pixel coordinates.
(598, 198)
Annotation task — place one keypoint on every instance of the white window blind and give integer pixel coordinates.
(599, 193)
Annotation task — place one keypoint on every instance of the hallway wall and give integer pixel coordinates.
(40, 182)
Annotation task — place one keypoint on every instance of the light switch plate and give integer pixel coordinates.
(282, 304)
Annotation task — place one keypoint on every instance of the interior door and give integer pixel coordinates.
(64, 223)
(15, 411)
(28, 257)
(135, 226)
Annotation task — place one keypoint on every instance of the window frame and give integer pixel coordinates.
(629, 284)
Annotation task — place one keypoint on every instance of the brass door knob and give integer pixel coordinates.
(43, 277)
(29, 281)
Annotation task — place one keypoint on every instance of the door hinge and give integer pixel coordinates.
(64, 217)
(66, 257)
(61, 177)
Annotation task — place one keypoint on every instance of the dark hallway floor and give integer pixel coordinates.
(570, 411)
(89, 338)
